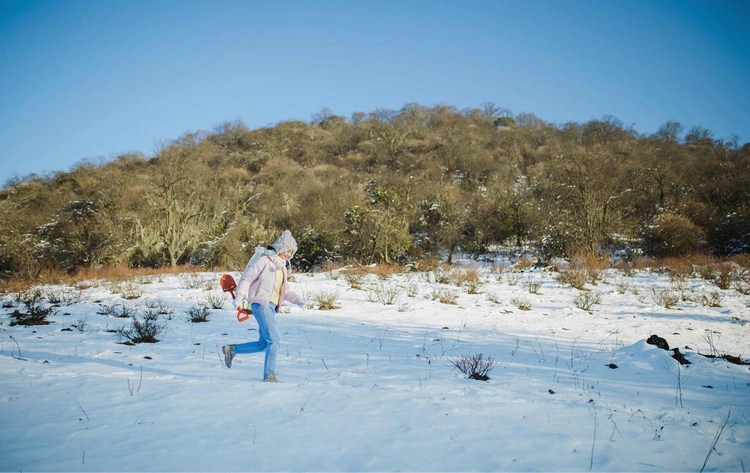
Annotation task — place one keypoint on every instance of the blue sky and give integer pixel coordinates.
(90, 79)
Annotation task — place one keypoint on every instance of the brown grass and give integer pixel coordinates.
(584, 259)
(677, 265)
(104, 273)
(523, 263)
(383, 271)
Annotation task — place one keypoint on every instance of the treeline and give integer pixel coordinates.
(386, 186)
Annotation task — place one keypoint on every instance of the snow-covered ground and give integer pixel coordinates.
(370, 386)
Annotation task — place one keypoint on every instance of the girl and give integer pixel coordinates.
(262, 289)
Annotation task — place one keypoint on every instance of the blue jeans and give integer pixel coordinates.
(268, 340)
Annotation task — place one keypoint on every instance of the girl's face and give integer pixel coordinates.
(286, 254)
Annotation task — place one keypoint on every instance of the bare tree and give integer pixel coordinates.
(181, 218)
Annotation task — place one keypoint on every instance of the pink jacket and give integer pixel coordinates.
(256, 284)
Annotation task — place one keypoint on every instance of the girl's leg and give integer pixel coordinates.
(269, 334)
(268, 340)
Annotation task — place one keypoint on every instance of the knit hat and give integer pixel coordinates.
(285, 241)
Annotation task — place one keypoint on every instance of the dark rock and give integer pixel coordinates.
(658, 341)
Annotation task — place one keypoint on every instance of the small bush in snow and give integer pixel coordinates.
(475, 366)
(665, 298)
(512, 278)
(445, 296)
(120, 311)
(158, 306)
(198, 314)
(81, 324)
(585, 300)
(215, 300)
(35, 314)
(521, 302)
(195, 281)
(742, 287)
(412, 289)
(385, 293)
(472, 281)
(142, 331)
(711, 300)
(533, 286)
(576, 278)
(130, 291)
(441, 276)
(326, 300)
(724, 275)
(494, 299)
(66, 296)
(355, 280)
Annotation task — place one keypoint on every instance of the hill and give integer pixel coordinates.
(386, 186)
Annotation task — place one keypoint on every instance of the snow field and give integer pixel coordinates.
(371, 387)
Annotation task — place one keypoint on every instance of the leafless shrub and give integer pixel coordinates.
(81, 324)
(412, 289)
(64, 296)
(594, 276)
(713, 299)
(444, 296)
(355, 280)
(472, 282)
(215, 300)
(622, 287)
(512, 278)
(585, 300)
(120, 311)
(36, 313)
(724, 275)
(159, 306)
(199, 313)
(742, 287)
(576, 278)
(521, 302)
(475, 366)
(130, 291)
(385, 293)
(533, 286)
(493, 298)
(195, 281)
(142, 331)
(664, 297)
(443, 276)
(326, 300)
